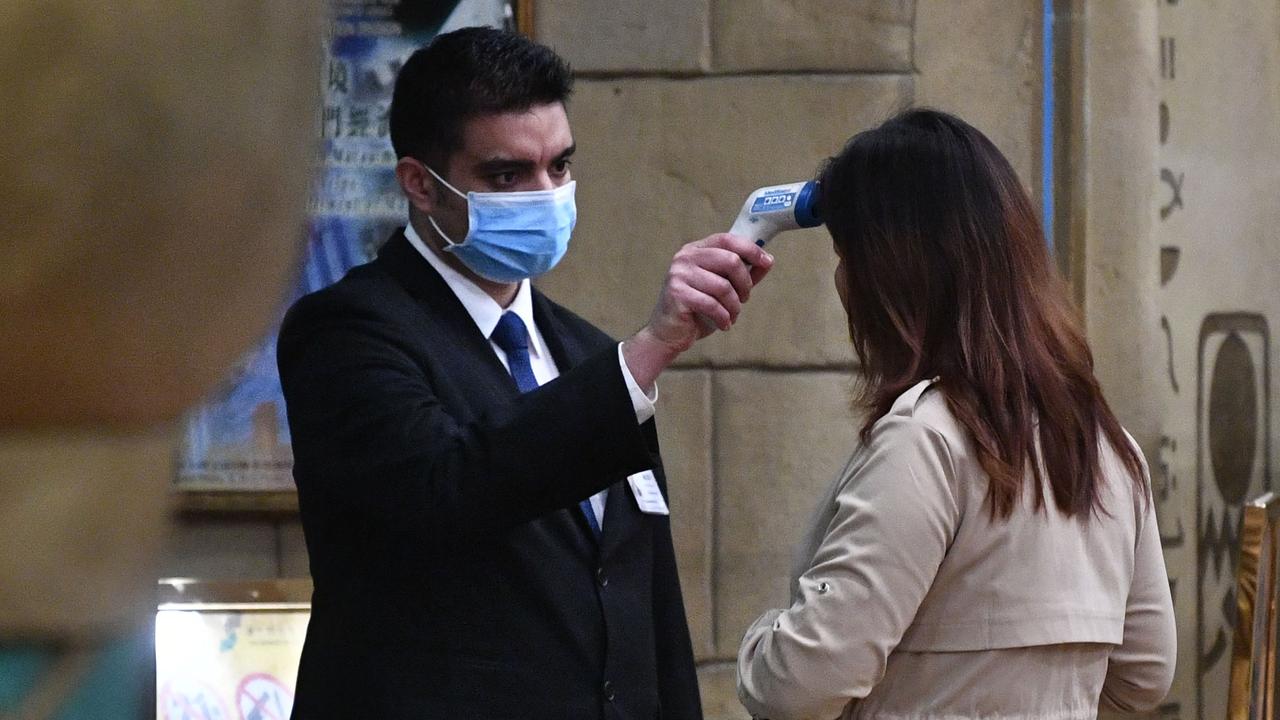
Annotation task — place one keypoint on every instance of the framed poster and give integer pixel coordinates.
(229, 650)
(235, 453)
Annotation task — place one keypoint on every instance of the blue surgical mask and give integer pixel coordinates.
(513, 235)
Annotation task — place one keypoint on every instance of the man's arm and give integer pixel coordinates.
(372, 436)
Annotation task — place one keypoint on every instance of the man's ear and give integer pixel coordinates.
(417, 185)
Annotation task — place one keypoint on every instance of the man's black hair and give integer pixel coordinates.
(469, 72)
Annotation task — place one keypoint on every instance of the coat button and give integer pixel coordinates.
(608, 691)
(601, 577)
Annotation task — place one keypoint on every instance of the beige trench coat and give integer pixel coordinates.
(908, 602)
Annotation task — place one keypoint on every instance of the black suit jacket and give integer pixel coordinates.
(455, 576)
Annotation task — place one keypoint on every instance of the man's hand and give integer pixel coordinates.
(705, 288)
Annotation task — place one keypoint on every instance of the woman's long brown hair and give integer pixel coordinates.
(948, 276)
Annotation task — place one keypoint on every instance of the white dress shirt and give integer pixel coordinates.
(485, 311)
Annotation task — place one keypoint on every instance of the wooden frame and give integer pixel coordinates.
(235, 502)
(1252, 690)
(524, 16)
(193, 594)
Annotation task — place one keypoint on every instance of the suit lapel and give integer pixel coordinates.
(467, 353)
(621, 518)
(464, 350)
(567, 349)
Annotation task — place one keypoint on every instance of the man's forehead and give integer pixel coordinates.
(541, 132)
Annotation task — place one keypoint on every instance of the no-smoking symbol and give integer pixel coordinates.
(262, 697)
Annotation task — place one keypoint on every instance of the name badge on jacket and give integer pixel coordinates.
(645, 487)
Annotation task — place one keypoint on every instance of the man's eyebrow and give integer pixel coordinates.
(502, 164)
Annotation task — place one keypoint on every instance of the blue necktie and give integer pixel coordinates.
(512, 336)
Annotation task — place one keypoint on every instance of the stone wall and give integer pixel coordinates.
(682, 108)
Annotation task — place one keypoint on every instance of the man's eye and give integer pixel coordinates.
(504, 178)
(562, 166)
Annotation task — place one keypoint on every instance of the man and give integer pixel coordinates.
(477, 467)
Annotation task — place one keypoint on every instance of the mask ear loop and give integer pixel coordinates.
(446, 238)
(451, 244)
(444, 182)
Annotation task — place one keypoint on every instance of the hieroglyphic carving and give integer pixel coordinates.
(1168, 58)
(1174, 181)
(1165, 479)
(1171, 505)
(1168, 335)
(1232, 465)
(1169, 258)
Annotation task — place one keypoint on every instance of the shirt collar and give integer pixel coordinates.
(482, 308)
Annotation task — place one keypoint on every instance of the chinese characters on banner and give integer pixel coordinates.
(238, 439)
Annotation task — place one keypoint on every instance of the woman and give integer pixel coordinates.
(990, 550)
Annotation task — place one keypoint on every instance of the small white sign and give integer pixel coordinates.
(645, 487)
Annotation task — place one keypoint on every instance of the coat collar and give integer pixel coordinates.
(423, 283)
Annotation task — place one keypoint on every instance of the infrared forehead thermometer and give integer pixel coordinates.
(770, 210)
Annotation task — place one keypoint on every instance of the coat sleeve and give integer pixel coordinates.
(895, 516)
(1140, 671)
(372, 437)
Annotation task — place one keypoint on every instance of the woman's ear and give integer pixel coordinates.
(417, 185)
